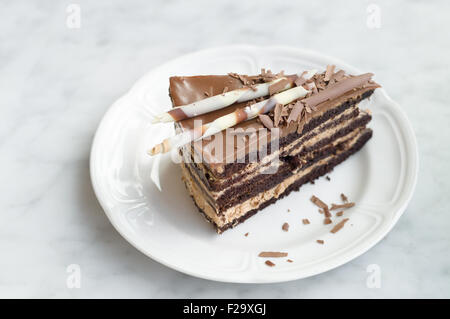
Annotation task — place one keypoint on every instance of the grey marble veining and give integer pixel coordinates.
(57, 82)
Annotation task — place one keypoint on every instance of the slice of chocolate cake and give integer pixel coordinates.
(239, 171)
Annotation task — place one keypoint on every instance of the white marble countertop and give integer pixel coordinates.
(57, 81)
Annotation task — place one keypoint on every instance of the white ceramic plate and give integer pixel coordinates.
(167, 227)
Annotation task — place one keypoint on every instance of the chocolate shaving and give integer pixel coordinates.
(250, 81)
(269, 263)
(328, 178)
(320, 241)
(327, 221)
(246, 235)
(339, 226)
(329, 72)
(277, 114)
(322, 205)
(289, 260)
(274, 254)
(295, 112)
(339, 75)
(266, 121)
(340, 213)
(344, 198)
(316, 201)
(339, 206)
(285, 227)
(305, 221)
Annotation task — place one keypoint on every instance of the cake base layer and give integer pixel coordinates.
(222, 223)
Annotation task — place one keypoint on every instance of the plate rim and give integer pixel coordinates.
(272, 279)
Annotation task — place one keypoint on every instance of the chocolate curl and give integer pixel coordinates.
(218, 102)
(229, 120)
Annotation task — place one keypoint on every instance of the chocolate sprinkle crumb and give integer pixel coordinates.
(295, 112)
(246, 235)
(339, 206)
(289, 260)
(320, 241)
(266, 121)
(316, 201)
(344, 198)
(328, 178)
(339, 226)
(274, 254)
(329, 72)
(277, 114)
(340, 213)
(305, 221)
(327, 221)
(339, 75)
(285, 227)
(269, 263)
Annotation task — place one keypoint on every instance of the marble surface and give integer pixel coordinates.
(57, 81)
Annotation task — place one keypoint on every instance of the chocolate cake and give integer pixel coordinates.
(236, 172)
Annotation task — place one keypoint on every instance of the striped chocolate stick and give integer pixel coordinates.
(229, 120)
(220, 101)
